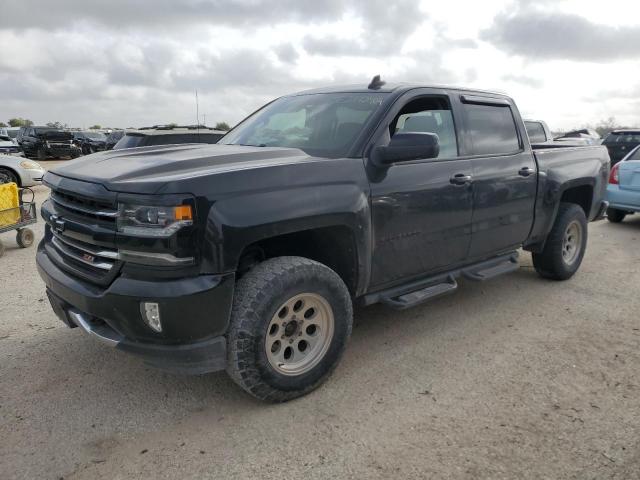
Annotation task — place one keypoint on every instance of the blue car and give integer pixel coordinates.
(623, 191)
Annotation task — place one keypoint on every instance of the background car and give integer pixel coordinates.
(620, 143)
(24, 172)
(538, 131)
(11, 132)
(43, 142)
(168, 135)
(113, 138)
(89, 142)
(587, 136)
(8, 146)
(623, 191)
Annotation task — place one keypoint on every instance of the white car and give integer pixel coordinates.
(24, 172)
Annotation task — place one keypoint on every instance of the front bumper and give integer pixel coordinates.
(194, 313)
(622, 199)
(31, 178)
(58, 151)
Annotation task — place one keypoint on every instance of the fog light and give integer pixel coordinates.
(151, 315)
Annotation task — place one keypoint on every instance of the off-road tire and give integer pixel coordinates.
(24, 237)
(550, 263)
(615, 216)
(257, 298)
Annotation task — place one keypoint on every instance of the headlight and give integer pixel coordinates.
(29, 165)
(146, 221)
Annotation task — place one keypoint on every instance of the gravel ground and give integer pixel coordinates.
(514, 378)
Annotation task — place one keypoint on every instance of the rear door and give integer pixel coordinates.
(629, 172)
(504, 175)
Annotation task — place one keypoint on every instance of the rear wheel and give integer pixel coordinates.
(615, 216)
(24, 237)
(41, 153)
(290, 323)
(565, 245)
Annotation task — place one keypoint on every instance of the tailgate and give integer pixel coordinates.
(629, 175)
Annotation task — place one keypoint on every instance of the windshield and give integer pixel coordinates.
(12, 133)
(96, 135)
(324, 125)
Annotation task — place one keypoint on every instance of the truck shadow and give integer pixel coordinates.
(110, 377)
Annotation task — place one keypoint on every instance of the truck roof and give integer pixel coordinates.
(626, 130)
(392, 87)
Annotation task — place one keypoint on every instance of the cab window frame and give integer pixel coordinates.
(382, 136)
(491, 102)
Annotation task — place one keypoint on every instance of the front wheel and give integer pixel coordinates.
(565, 245)
(7, 176)
(291, 320)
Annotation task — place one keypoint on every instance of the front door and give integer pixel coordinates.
(421, 210)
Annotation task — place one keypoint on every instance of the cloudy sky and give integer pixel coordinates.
(135, 62)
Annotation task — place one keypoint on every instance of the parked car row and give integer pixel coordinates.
(45, 142)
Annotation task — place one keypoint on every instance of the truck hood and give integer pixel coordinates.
(147, 169)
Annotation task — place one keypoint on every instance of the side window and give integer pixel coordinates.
(492, 129)
(535, 130)
(429, 115)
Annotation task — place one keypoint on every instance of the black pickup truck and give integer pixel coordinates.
(248, 255)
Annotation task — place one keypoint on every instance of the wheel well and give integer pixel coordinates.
(14, 172)
(582, 195)
(334, 247)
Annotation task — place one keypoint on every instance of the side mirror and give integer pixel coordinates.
(407, 146)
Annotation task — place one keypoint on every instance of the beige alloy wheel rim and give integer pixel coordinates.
(299, 334)
(572, 243)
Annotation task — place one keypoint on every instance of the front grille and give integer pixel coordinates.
(75, 220)
(99, 258)
(85, 207)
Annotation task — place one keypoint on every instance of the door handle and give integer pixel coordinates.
(525, 171)
(460, 179)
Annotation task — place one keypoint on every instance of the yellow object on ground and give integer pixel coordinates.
(9, 203)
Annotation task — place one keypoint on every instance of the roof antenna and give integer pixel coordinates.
(197, 116)
(376, 83)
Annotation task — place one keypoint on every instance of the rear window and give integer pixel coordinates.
(623, 138)
(492, 129)
(535, 130)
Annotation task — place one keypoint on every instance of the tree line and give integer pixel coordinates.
(25, 122)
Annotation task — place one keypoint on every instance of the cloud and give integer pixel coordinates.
(532, 82)
(555, 35)
(142, 13)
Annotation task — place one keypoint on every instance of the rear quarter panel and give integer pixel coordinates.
(564, 168)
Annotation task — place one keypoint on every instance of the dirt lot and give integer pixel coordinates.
(515, 378)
